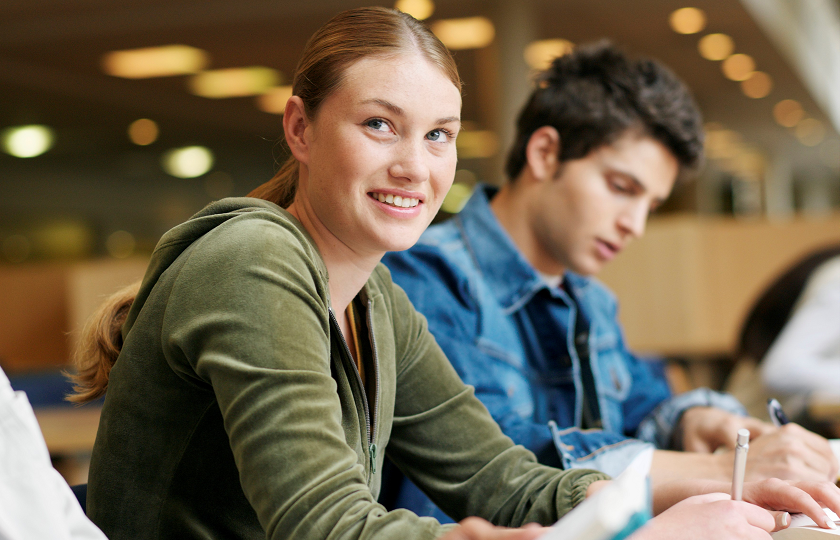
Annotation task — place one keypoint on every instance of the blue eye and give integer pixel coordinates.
(377, 124)
(437, 135)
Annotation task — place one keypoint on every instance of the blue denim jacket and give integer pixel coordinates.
(512, 336)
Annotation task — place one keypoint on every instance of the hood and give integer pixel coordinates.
(180, 237)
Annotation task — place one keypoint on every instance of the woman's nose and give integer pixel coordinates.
(410, 162)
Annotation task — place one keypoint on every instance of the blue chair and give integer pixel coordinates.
(80, 491)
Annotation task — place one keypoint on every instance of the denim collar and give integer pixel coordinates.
(510, 276)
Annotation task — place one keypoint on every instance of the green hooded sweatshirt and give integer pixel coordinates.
(236, 411)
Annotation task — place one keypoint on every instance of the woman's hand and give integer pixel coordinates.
(713, 515)
(474, 528)
(806, 497)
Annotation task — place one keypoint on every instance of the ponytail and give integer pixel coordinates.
(100, 345)
(282, 187)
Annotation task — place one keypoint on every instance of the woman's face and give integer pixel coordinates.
(380, 153)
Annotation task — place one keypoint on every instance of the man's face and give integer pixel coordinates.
(597, 204)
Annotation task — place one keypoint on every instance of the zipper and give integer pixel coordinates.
(371, 446)
(376, 396)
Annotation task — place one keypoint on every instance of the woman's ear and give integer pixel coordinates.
(295, 123)
(543, 153)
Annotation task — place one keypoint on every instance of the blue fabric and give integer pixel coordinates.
(512, 336)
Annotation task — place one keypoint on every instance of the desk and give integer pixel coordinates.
(68, 430)
(69, 433)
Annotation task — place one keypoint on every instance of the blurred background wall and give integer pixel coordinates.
(121, 118)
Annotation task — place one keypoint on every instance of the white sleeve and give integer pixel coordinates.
(35, 501)
(806, 355)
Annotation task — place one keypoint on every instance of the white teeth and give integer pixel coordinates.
(401, 202)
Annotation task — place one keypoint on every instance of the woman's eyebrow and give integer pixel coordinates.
(396, 109)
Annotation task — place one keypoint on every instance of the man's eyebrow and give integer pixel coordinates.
(639, 184)
(396, 109)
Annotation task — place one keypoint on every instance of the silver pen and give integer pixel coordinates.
(742, 446)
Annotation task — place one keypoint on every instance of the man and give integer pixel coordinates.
(507, 286)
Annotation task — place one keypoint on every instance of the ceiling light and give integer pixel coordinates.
(466, 33)
(419, 9)
(540, 54)
(234, 82)
(723, 143)
(715, 46)
(274, 101)
(687, 20)
(27, 141)
(738, 67)
(187, 162)
(155, 62)
(758, 85)
(143, 132)
(810, 131)
(788, 112)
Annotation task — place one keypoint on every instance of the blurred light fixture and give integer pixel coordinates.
(149, 62)
(466, 33)
(758, 85)
(788, 112)
(27, 141)
(16, 248)
(419, 9)
(65, 239)
(274, 101)
(143, 132)
(738, 67)
(723, 143)
(459, 193)
(540, 54)
(187, 162)
(476, 144)
(830, 153)
(715, 46)
(234, 82)
(120, 244)
(687, 20)
(810, 131)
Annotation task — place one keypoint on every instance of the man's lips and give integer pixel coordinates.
(606, 249)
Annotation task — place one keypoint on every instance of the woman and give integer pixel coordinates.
(267, 359)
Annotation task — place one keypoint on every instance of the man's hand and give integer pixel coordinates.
(705, 429)
(791, 453)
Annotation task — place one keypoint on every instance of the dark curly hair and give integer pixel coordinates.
(595, 94)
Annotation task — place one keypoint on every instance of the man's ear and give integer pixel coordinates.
(543, 153)
(295, 123)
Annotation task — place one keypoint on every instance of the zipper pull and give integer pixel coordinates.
(372, 451)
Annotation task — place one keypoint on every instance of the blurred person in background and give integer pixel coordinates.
(790, 341)
(507, 286)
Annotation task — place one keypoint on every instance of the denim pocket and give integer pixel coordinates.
(613, 377)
